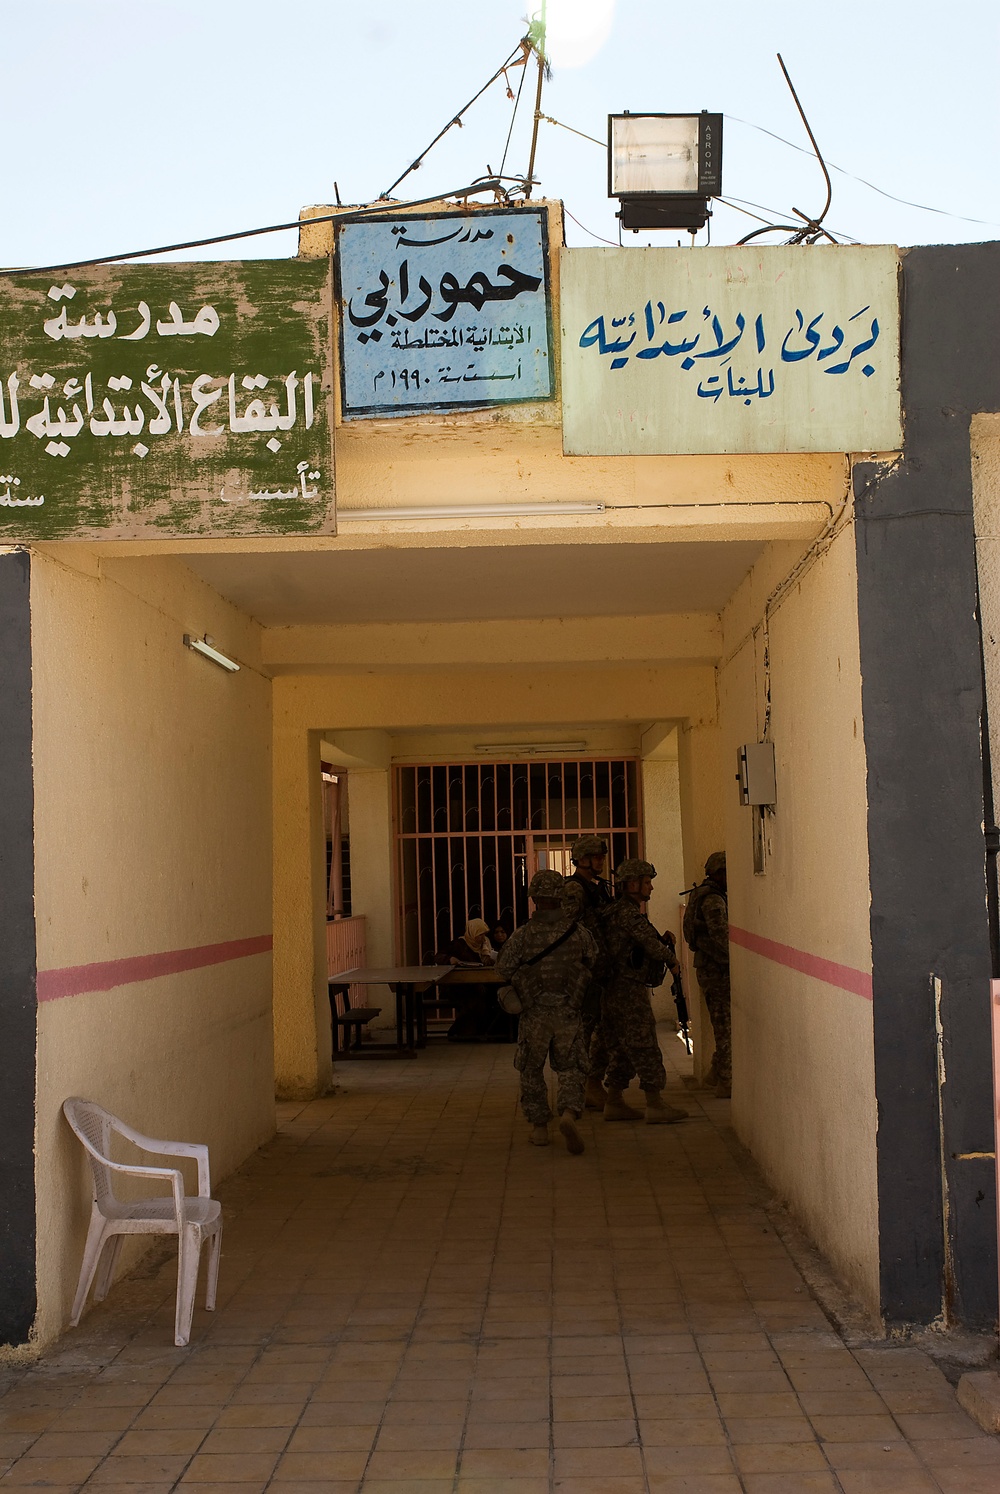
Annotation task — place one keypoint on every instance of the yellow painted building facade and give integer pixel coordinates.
(711, 601)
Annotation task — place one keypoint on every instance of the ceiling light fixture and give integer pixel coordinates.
(204, 647)
(469, 511)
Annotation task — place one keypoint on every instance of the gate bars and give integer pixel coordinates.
(469, 837)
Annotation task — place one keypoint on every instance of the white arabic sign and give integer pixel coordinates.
(730, 350)
(147, 400)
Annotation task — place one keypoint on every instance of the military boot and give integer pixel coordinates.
(615, 1108)
(658, 1112)
(571, 1136)
(539, 1136)
(724, 1089)
(595, 1096)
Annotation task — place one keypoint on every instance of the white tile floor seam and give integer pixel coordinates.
(414, 1300)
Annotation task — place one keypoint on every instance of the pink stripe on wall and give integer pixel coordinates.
(74, 980)
(844, 976)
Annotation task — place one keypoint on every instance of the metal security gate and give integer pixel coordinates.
(469, 837)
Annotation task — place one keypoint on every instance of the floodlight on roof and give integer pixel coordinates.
(663, 168)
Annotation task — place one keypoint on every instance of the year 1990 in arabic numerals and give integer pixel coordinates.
(406, 378)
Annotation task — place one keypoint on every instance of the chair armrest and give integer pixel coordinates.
(176, 1179)
(157, 1147)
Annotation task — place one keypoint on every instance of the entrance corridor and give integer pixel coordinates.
(413, 1300)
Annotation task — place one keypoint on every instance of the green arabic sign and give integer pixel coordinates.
(152, 401)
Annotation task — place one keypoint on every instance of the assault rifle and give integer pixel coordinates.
(680, 1001)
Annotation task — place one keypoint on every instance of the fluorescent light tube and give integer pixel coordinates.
(469, 511)
(530, 748)
(200, 646)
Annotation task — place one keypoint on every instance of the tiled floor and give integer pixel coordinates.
(415, 1301)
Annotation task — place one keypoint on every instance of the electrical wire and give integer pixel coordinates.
(813, 225)
(905, 201)
(592, 138)
(589, 230)
(810, 229)
(513, 117)
(484, 184)
(522, 48)
(852, 176)
(732, 202)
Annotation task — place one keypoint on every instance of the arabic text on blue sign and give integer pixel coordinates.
(445, 310)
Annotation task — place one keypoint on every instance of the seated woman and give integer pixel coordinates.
(475, 1005)
(499, 936)
(473, 947)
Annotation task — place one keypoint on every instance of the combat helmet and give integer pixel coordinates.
(546, 883)
(633, 869)
(715, 863)
(588, 845)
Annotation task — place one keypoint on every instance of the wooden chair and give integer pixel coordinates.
(351, 1019)
(432, 1000)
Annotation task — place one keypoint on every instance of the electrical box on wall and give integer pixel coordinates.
(755, 775)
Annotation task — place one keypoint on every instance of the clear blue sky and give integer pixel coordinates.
(135, 122)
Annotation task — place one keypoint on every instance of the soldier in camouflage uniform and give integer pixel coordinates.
(706, 929)
(640, 959)
(586, 896)
(548, 962)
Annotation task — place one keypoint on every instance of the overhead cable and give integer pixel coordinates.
(523, 47)
(905, 201)
(485, 184)
(852, 176)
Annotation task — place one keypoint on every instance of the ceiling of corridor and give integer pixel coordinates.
(458, 584)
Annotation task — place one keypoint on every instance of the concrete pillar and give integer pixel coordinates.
(371, 874)
(371, 860)
(302, 1045)
(702, 781)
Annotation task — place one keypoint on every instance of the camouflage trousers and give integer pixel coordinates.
(714, 982)
(551, 1029)
(593, 1034)
(630, 1033)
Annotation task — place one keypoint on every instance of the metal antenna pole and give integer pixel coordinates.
(537, 122)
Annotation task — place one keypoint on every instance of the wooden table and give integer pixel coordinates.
(466, 975)
(403, 981)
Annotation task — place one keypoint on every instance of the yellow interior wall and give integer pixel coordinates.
(804, 1082)
(152, 834)
(369, 719)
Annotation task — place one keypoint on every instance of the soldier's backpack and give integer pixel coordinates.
(694, 923)
(691, 920)
(510, 997)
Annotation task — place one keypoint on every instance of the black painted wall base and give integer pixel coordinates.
(922, 691)
(17, 957)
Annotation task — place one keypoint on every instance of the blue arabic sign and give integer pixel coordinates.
(444, 311)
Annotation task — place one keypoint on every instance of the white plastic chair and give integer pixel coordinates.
(192, 1220)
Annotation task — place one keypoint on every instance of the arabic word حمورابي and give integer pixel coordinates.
(477, 292)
